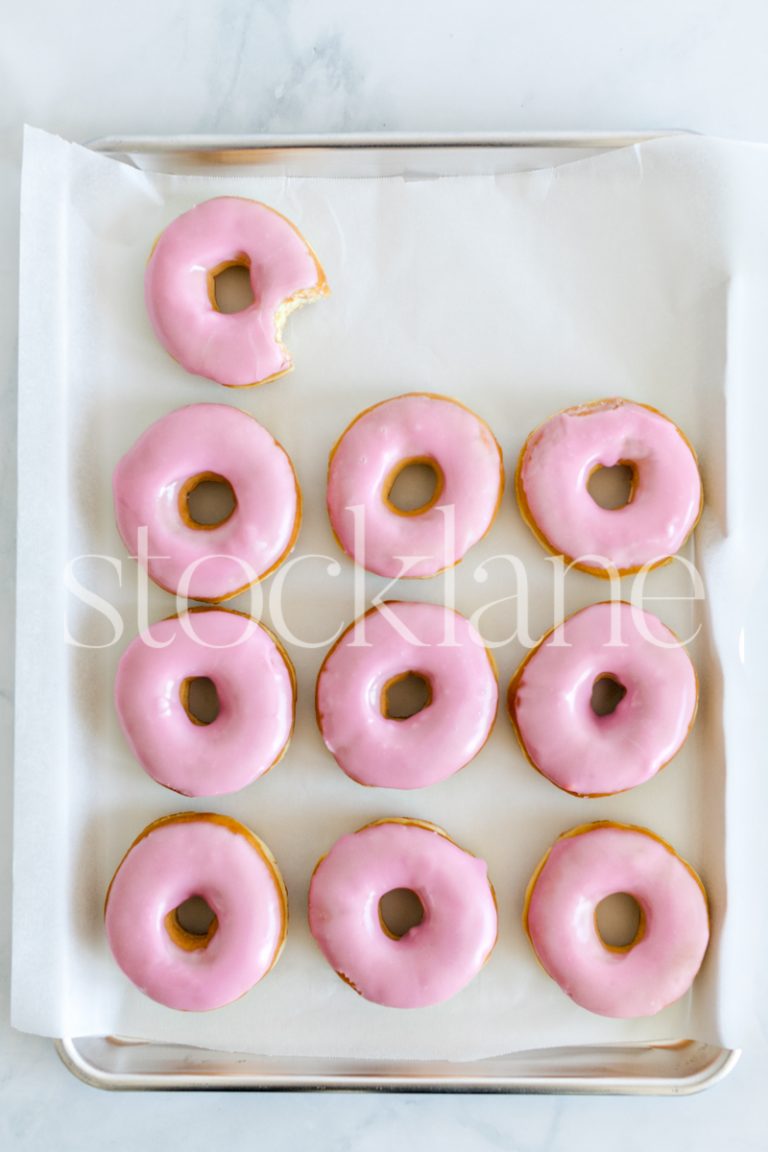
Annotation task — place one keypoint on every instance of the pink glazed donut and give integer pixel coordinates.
(256, 690)
(224, 863)
(386, 645)
(550, 700)
(433, 960)
(419, 428)
(239, 348)
(152, 484)
(665, 502)
(583, 867)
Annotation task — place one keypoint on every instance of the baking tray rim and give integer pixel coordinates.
(716, 1062)
(201, 142)
(708, 1065)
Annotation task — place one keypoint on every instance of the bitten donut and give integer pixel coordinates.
(224, 863)
(550, 700)
(154, 480)
(388, 644)
(255, 687)
(582, 868)
(418, 428)
(433, 960)
(665, 502)
(239, 348)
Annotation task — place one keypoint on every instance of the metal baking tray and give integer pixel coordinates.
(671, 1068)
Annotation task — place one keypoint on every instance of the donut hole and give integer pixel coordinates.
(229, 286)
(414, 486)
(619, 921)
(607, 693)
(612, 488)
(405, 695)
(193, 924)
(207, 501)
(200, 699)
(399, 911)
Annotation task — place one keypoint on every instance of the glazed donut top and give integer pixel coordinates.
(555, 466)
(431, 641)
(220, 860)
(255, 687)
(550, 700)
(582, 868)
(414, 428)
(200, 442)
(238, 348)
(435, 959)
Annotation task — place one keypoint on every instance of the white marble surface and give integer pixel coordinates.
(85, 69)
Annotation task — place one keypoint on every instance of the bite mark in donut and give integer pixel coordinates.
(240, 349)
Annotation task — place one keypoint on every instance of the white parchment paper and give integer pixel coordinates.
(639, 273)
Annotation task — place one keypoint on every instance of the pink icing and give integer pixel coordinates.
(242, 347)
(580, 871)
(192, 441)
(559, 458)
(427, 639)
(550, 700)
(432, 961)
(256, 701)
(416, 426)
(173, 862)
